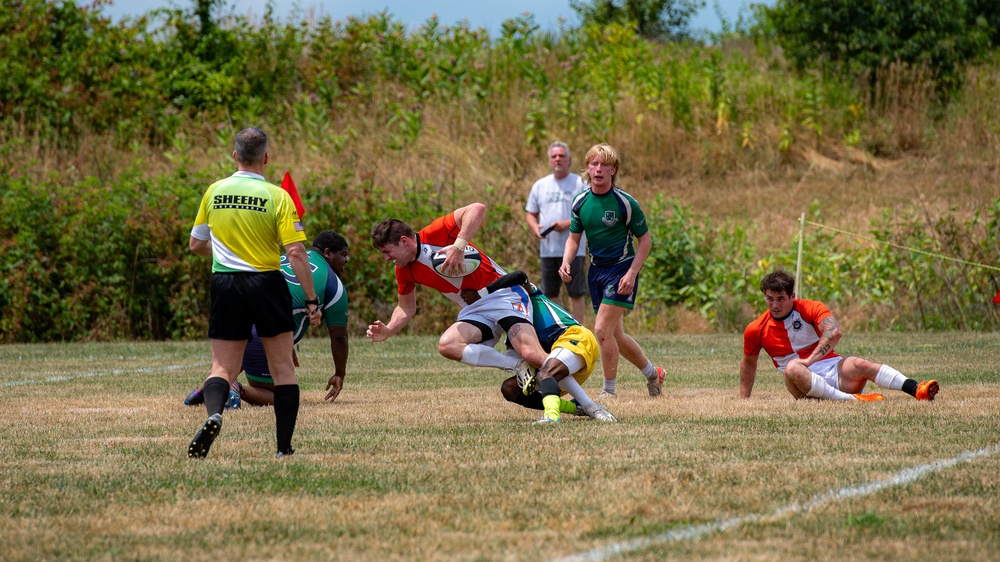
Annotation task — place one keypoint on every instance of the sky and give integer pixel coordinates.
(413, 13)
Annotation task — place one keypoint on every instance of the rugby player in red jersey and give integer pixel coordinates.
(799, 335)
(471, 338)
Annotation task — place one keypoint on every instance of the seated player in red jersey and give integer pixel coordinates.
(800, 335)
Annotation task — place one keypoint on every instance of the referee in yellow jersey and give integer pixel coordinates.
(242, 224)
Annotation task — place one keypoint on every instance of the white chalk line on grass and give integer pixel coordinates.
(139, 370)
(690, 532)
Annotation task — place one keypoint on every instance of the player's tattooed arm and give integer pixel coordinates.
(829, 336)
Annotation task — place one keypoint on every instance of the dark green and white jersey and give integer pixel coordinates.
(329, 290)
(549, 319)
(610, 221)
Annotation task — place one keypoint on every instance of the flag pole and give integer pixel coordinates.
(798, 262)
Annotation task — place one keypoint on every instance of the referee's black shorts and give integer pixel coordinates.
(246, 299)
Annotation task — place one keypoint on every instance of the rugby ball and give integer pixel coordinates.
(473, 259)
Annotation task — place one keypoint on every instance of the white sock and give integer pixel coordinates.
(649, 370)
(820, 389)
(890, 378)
(574, 389)
(479, 355)
(609, 385)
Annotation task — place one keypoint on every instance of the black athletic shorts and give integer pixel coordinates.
(551, 281)
(245, 299)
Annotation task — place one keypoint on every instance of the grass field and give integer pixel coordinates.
(421, 459)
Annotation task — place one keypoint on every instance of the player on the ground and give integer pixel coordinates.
(327, 259)
(572, 350)
(800, 335)
(619, 242)
(471, 338)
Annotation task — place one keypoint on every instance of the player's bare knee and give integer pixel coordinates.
(798, 375)
(553, 368)
(451, 350)
(857, 365)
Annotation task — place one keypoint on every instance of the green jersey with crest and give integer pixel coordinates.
(329, 290)
(610, 221)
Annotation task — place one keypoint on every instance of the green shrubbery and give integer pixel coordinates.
(86, 259)
(113, 130)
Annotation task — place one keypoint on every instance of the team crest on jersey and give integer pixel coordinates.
(797, 325)
(518, 307)
(610, 218)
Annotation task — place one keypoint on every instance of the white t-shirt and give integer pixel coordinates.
(552, 199)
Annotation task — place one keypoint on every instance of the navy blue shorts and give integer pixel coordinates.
(255, 361)
(243, 300)
(603, 283)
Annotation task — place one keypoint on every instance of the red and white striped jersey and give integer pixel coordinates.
(794, 336)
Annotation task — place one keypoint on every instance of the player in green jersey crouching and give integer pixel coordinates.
(327, 258)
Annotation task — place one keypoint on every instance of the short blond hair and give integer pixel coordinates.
(607, 155)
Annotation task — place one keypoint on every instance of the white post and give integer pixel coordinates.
(798, 262)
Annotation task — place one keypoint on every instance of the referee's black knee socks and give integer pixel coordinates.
(216, 392)
(286, 411)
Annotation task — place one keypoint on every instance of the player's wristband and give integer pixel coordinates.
(461, 243)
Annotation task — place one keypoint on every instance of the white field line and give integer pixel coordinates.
(690, 532)
(111, 372)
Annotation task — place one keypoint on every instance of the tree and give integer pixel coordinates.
(989, 11)
(864, 35)
(652, 19)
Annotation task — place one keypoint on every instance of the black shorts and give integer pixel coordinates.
(245, 299)
(551, 282)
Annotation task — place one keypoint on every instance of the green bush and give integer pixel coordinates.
(860, 36)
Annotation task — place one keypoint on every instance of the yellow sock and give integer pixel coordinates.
(567, 406)
(551, 403)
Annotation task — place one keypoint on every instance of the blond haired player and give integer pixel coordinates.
(619, 242)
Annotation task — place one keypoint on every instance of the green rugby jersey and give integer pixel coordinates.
(610, 221)
(329, 290)
(549, 319)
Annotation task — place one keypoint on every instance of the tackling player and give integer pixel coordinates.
(800, 335)
(572, 349)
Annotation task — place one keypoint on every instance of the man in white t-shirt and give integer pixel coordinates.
(549, 207)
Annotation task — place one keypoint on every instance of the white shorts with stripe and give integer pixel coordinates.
(490, 310)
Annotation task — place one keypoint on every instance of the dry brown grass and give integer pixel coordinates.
(421, 459)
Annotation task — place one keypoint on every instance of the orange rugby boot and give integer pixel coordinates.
(927, 390)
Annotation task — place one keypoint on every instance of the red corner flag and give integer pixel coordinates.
(997, 298)
(288, 185)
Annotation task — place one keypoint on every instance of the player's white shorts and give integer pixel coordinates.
(511, 302)
(829, 369)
